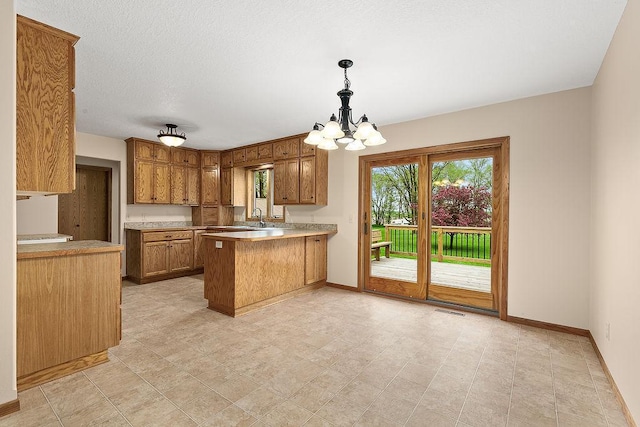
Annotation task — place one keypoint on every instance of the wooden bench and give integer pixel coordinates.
(377, 243)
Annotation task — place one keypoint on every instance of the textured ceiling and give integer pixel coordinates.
(233, 72)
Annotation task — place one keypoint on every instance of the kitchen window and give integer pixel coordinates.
(260, 196)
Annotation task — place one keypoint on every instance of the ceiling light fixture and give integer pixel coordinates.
(338, 130)
(171, 137)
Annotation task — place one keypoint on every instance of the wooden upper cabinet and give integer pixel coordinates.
(286, 149)
(148, 172)
(265, 151)
(251, 154)
(239, 156)
(226, 159)
(210, 159)
(210, 178)
(185, 157)
(286, 182)
(45, 108)
(307, 149)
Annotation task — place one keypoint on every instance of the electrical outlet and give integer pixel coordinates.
(608, 332)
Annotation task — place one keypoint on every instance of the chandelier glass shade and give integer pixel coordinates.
(338, 129)
(171, 137)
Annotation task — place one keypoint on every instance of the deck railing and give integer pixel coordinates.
(469, 244)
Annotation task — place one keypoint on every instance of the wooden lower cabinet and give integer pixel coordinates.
(198, 249)
(157, 255)
(315, 259)
(68, 308)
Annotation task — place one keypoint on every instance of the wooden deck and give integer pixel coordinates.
(454, 275)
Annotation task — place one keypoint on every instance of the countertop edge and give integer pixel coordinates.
(79, 247)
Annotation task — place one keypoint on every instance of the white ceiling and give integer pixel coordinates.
(234, 72)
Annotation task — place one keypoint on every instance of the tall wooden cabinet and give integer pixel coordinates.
(185, 177)
(149, 173)
(45, 109)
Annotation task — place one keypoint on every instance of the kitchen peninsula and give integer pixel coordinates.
(247, 270)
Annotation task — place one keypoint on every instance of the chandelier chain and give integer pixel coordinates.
(347, 82)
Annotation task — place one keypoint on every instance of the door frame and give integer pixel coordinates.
(500, 214)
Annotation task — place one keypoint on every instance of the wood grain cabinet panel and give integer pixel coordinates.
(315, 259)
(155, 258)
(210, 187)
(158, 255)
(45, 108)
(181, 255)
(226, 159)
(239, 156)
(152, 172)
(286, 182)
(232, 187)
(68, 309)
(210, 159)
(198, 248)
(265, 152)
(286, 149)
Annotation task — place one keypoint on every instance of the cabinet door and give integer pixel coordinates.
(45, 107)
(178, 185)
(251, 154)
(210, 187)
(307, 180)
(161, 153)
(279, 182)
(226, 159)
(144, 150)
(181, 255)
(210, 159)
(239, 156)
(143, 186)
(162, 184)
(286, 149)
(198, 248)
(155, 258)
(293, 181)
(177, 156)
(286, 182)
(226, 186)
(315, 259)
(192, 196)
(265, 151)
(307, 149)
(192, 158)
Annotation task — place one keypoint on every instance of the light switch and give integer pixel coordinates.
(218, 244)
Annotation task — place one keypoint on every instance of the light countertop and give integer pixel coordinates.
(77, 247)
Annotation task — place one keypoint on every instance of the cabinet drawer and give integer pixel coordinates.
(157, 236)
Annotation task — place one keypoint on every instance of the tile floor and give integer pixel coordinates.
(329, 358)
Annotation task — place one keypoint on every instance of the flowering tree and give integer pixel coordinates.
(461, 206)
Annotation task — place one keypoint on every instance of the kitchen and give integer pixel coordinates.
(559, 119)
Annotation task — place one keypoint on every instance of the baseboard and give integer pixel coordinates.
(549, 326)
(614, 386)
(343, 287)
(28, 381)
(9, 407)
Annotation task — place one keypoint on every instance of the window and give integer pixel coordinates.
(260, 195)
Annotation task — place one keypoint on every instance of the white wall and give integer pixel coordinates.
(549, 197)
(37, 215)
(8, 202)
(615, 203)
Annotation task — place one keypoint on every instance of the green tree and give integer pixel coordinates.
(381, 197)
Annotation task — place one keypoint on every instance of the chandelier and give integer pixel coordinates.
(171, 137)
(338, 129)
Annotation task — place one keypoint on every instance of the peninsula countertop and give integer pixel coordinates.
(267, 234)
(74, 247)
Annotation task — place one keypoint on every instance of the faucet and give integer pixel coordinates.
(262, 223)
